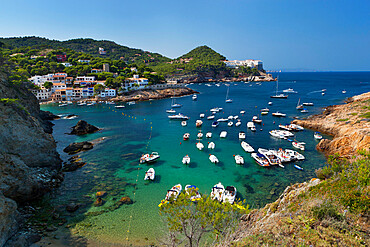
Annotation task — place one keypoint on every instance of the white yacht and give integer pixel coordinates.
(213, 159)
(178, 116)
(209, 134)
(195, 97)
(217, 192)
(294, 154)
(247, 148)
(198, 123)
(186, 160)
(229, 195)
(242, 135)
(299, 145)
(150, 174)
(211, 117)
(171, 111)
(278, 114)
(223, 134)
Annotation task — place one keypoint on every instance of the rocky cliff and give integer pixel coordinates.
(29, 162)
(349, 124)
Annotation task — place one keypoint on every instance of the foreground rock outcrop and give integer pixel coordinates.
(83, 128)
(29, 162)
(349, 124)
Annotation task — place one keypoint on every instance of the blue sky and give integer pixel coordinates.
(319, 35)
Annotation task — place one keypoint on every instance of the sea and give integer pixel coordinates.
(113, 165)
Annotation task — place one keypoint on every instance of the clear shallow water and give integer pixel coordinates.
(144, 127)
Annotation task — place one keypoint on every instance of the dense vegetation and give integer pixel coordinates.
(333, 213)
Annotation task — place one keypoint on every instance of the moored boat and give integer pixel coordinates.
(294, 154)
(171, 111)
(223, 134)
(247, 148)
(211, 117)
(186, 136)
(278, 114)
(174, 192)
(209, 134)
(147, 158)
(193, 192)
(211, 145)
(184, 123)
(317, 136)
(199, 145)
(239, 160)
(242, 135)
(260, 159)
(270, 156)
(299, 145)
(217, 192)
(229, 195)
(178, 116)
(150, 174)
(194, 97)
(215, 124)
(230, 124)
(213, 159)
(198, 123)
(186, 160)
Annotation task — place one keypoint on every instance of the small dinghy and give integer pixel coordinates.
(223, 134)
(256, 120)
(239, 160)
(201, 115)
(230, 124)
(200, 146)
(186, 160)
(171, 111)
(211, 145)
(298, 167)
(317, 136)
(200, 135)
(174, 192)
(186, 136)
(213, 159)
(238, 123)
(217, 192)
(215, 124)
(229, 195)
(230, 117)
(295, 127)
(247, 148)
(209, 134)
(150, 174)
(119, 106)
(242, 135)
(299, 145)
(183, 123)
(147, 158)
(211, 117)
(242, 112)
(193, 192)
(195, 97)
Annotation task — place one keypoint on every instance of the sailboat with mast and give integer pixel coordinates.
(278, 96)
(174, 104)
(299, 106)
(227, 100)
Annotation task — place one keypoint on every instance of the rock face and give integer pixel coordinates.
(348, 124)
(29, 162)
(83, 128)
(78, 147)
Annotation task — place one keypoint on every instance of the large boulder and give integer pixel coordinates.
(8, 218)
(83, 128)
(78, 147)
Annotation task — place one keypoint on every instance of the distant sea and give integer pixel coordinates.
(113, 165)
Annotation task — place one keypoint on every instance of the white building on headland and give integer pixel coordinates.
(42, 94)
(135, 83)
(39, 80)
(249, 63)
(108, 92)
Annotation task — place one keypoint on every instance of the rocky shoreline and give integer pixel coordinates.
(349, 124)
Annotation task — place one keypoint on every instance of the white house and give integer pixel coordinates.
(108, 92)
(67, 64)
(39, 80)
(135, 83)
(84, 61)
(58, 86)
(42, 94)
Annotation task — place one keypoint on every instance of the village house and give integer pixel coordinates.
(135, 83)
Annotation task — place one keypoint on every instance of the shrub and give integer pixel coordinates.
(326, 211)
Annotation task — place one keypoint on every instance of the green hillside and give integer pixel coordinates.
(89, 46)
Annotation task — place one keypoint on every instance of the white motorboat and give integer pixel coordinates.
(209, 134)
(184, 123)
(344, 91)
(229, 195)
(186, 136)
(289, 90)
(171, 111)
(296, 127)
(147, 158)
(200, 146)
(285, 127)
(230, 117)
(178, 116)
(242, 135)
(211, 145)
(200, 134)
(236, 117)
(282, 155)
(307, 104)
(215, 109)
(61, 105)
(119, 106)
(253, 129)
(186, 160)
(202, 115)
(90, 104)
(304, 111)
(195, 97)
(222, 120)
(260, 159)
(277, 134)
(110, 102)
(256, 120)
(174, 192)
(294, 154)
(131, 103)
(149, 174)
(217, 192)
(239, 160)
(238, 123)
(230, 124)
(176, 105)
(299, 145)
(285, 133)
(213, 159)
(211, 117)
(322, 94)
(247, 148)
(298, 167)
(278, 114)
(270, 156)
(223, 134)
(198, 123)
(242, 112)
(265, 110)
(83, 103)
(317, 136)
(193, 192)
(270, 103)
(250, 125)
(215, 124)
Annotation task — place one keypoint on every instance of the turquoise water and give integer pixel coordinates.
(144, 127)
